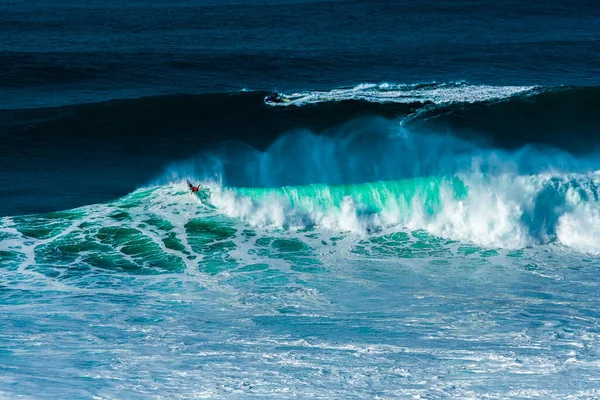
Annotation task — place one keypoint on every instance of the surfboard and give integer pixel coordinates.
(203, 194)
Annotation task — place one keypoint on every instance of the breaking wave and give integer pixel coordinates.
(505, 211)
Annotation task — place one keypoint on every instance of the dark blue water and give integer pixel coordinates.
(69, 52)
(55, 56)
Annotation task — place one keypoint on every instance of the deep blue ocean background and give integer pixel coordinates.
(420, 220)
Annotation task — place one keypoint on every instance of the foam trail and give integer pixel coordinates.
(437, 93)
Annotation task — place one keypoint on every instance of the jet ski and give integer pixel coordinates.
(276, 98)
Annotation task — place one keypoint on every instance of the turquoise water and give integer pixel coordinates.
(328, 294)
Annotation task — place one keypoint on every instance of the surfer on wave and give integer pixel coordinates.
(193, 188)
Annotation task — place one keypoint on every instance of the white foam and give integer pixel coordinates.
(580, 229)
(507, 211)
(489, 216)
(276, 210)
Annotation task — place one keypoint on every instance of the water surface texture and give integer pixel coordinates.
(421, 218)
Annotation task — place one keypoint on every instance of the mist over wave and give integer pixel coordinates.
(366, 150)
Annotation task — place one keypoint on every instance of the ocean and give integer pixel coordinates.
(420, 219)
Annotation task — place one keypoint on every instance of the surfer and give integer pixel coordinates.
(193, 188)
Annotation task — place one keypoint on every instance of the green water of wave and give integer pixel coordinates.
(372, 198)
(165, 230)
